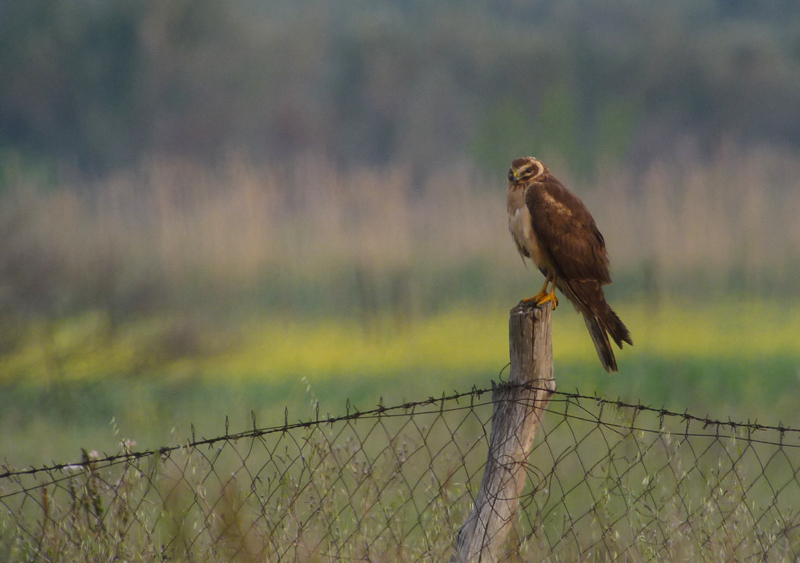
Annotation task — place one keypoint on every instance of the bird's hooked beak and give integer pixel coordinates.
(512, 175)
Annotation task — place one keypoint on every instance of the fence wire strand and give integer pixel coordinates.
(607, 481)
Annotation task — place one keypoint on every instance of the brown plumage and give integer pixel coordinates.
(552, 227)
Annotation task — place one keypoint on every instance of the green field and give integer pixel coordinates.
(82, 388)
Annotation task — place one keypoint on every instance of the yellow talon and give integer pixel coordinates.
(544, 296)
(541, 300)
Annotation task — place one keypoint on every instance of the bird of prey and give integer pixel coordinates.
(552, 227)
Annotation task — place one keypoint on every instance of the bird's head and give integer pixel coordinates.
(525, 169)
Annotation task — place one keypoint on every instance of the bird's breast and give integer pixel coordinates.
(520, 224)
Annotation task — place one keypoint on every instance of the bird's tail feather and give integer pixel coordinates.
(612, 324)
(601, 320)
(601, 343)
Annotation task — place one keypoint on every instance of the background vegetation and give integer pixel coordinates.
(375, 83)
(208, 208)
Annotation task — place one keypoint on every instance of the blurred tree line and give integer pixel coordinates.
(93, 86)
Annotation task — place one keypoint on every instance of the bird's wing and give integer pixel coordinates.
(567, 232)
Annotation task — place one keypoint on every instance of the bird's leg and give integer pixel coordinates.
(544, 296)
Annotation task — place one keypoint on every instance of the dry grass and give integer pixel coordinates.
(374, 238)
(733, 217)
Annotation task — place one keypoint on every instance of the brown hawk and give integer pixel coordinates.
(552, 227)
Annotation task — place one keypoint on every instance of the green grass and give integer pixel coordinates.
(460, 339)
(155, 379)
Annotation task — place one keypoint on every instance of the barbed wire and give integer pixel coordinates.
(407, 408)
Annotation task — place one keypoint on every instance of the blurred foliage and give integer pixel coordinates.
(723, 359)
(309, 239)
(275, 347)
(93, 87)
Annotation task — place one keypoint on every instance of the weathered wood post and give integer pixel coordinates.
(516, 417)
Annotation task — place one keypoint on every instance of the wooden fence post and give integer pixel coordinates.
(517, 414)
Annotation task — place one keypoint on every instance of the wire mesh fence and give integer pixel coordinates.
(606, 481)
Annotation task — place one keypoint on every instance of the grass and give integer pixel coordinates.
(398, 487)
(272, 348)
(156, 378)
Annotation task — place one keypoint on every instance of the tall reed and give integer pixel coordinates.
(171, 225)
